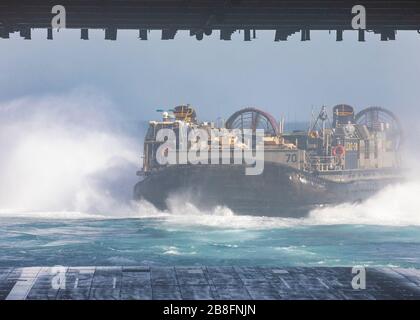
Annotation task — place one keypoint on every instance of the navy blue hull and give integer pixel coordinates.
(278, 191)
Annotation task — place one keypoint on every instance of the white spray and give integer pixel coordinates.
(60, 154)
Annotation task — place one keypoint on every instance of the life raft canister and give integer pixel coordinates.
(338, 151)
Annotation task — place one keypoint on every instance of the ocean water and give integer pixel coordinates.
(213, 238)
(66, 184)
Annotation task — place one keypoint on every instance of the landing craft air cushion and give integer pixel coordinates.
(346, 160)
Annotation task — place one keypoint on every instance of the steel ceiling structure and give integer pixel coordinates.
(202, 17)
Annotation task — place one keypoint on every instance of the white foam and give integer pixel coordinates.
(396, 205)
(184, 214)
(59, 215)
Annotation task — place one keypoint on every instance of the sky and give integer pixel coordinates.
(217, 77)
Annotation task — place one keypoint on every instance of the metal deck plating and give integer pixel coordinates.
(195, 283)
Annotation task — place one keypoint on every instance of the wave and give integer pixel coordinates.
(59, 215)
(396, 205)
(64, 154)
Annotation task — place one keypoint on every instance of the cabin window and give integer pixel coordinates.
(150, 135)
